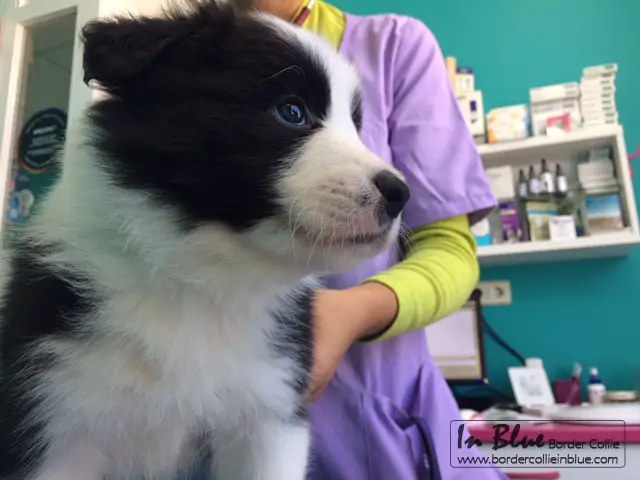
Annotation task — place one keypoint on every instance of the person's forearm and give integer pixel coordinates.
(378, 309)
(435, 279)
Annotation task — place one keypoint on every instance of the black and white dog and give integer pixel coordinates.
(160, 302)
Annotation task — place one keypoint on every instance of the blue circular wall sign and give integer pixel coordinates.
(40, 138)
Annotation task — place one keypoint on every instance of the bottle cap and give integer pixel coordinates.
(593, 372)
(533, 363)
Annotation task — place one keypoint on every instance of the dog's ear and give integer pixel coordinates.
(118, 50)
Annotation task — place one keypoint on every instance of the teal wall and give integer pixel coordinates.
(581, 311)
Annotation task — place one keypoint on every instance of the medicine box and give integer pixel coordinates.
(502, 182)
(596, 167)
(603, 118)
(599, 114)
(541, 112)
(589, 121)
(591, 116)
(597, 83)
(562, 227)
(515, 130)
(559, 125)
(472, 109)
(598, 123)
(539, 120)
(598, 154)
(538, 215)
(592, 113)
(600, 70)
(597, 96)
(452, 68)
(608, 107)
(482, 232)
(554, 92)
(510, 112)
(590, 89)
(511, 231)
(603, 213)
(508, 123)
(465, 81)
(554, 106)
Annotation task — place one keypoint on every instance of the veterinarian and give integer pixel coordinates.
(382, 409)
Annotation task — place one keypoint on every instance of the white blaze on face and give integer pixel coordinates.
(334, 168)
(331, 203)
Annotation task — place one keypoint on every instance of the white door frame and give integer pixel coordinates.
(17, 17)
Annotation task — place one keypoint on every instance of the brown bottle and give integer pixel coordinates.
(562, 187)
(534, 182)
(547, 182)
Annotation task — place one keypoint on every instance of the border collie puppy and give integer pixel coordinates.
(159, 305)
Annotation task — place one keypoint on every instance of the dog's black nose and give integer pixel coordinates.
(394, 191)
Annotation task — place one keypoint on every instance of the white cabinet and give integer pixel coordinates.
(564, 149)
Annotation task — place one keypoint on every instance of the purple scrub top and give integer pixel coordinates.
(386, 415)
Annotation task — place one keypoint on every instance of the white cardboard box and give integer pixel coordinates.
(597, 90)
(606, 69)
(565, 105)
(465, 81)
(539, 120)
(603, 102)
(472, 109)
(502, 182)
(554, 92)
(598, 82)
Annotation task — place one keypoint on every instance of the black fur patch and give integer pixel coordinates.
(356, 110)
(36, 304)
(191, 118)
(295, 338)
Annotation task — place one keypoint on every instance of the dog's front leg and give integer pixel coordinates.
(272, 450)
(79, 462)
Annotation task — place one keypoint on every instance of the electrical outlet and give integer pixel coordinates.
(495, 293)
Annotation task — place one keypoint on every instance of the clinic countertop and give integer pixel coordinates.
(563, 432)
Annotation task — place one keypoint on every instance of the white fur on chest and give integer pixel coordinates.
(158, 370)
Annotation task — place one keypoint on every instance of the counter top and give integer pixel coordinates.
(561, 432)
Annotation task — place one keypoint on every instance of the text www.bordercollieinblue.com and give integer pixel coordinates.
(544, 459)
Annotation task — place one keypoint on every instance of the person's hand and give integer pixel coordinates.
(342, 317)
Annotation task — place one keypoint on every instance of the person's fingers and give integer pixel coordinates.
(315, 395)
(315, 387)
(310, 397)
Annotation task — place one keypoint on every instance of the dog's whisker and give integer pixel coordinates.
(292, 228)
(317, 236)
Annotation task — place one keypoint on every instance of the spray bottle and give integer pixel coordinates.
(596, 388)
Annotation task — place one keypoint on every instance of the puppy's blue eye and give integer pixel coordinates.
(292, 113)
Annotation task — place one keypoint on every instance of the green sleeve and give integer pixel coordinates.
(436, 277)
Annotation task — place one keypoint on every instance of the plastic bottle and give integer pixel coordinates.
(547, 182)
(562, 187)
(596, 388)
(534, 183)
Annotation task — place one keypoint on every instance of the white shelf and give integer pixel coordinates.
(520, 152)
(608, 245)
(529, 151)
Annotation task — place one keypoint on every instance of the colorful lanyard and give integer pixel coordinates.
(304, 14)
